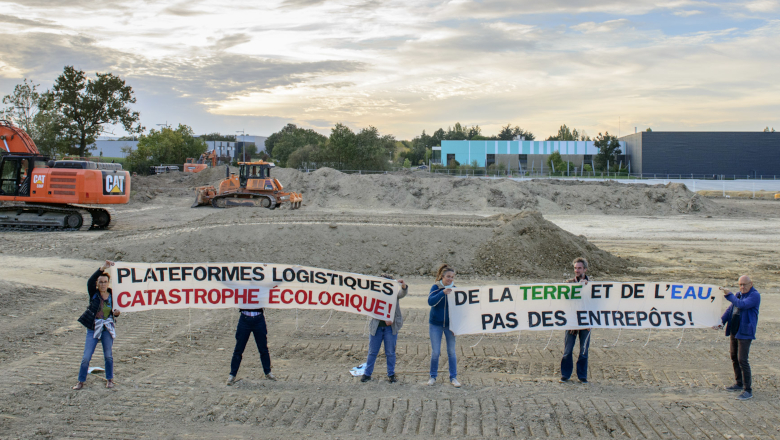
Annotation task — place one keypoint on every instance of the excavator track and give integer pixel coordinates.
(43, 217)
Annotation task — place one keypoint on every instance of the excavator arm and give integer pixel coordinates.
(15, 140)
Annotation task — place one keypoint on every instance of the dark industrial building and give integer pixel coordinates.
(704, 153)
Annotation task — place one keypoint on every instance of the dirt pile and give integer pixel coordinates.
(328, 188)
(405, 244)
(527, 244)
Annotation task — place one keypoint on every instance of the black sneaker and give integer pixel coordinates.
(735, 388)
(392, 379)
(365, 378)
(563, 380)
(583, 380)
(745, 395)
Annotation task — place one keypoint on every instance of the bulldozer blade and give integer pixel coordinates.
(198, 200)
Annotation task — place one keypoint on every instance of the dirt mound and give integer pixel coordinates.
(405, 244)
(527, 244)
(328, 188)
(145, 188)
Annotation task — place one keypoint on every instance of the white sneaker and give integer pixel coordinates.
(270, 376)
(431, 381)
(231, 380)
(455, 383)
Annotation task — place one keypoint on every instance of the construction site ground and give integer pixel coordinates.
(171, 366)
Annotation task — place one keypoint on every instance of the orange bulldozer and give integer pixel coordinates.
(207, 159)
(252, 187)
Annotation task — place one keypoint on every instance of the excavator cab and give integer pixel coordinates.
(15, 172)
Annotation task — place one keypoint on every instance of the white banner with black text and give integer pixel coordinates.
(629, 305)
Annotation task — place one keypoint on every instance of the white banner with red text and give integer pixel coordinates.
(150, 286)
(634, 305)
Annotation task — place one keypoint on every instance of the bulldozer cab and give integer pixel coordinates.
(253, 170)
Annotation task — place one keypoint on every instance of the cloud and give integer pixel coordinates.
(763, 6)
(607, 26)
(687, 13)
(229, 41)
(183, 10)
(27, 22)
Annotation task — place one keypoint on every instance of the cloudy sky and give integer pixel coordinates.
(405, 66)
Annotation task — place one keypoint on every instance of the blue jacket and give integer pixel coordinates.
(748, 307)
(440, 313)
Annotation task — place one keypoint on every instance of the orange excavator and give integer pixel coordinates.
(252, 187)
(38, 193)
(206, 159)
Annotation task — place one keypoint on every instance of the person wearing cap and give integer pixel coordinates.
(385, 331)
(251, 321)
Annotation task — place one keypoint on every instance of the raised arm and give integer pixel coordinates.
(750, 302)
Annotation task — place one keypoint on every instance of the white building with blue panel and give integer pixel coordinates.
(515, 154)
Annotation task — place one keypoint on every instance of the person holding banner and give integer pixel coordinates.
(567, 363)
(741, 319)
(387, 332)
(251, 321)
(99, 319)
(439, 325)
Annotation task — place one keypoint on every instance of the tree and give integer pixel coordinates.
(270, 141)
(509, 133)
(649, 129)
(23, 106)
(291, 138)
(219, 137)
(766, 130)
(609, 149)
(245, 147)
(35, 113)
(164, 147)
(88, 104)
(567, 134)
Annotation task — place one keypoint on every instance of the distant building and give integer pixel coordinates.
(223, 148)
(524, 155)
(259, 141)
(739, 154)
(111, 148)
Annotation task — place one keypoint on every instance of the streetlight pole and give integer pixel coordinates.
(243, 145)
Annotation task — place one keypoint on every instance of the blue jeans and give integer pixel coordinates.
(383, 334)
(436, 332)
(582, 360)
(251, 325)
(89, 349)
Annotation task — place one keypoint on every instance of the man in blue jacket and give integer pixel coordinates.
(741, 319)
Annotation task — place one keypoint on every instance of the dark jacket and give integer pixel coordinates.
(440, 312)
(748, 307)
(94, 296)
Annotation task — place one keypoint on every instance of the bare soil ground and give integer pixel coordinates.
(170, 367)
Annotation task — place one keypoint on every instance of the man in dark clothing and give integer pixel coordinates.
(567, 363)
(251, 321)
(741, 320)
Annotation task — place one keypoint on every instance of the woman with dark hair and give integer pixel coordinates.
(99, 319)
(439, 325)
